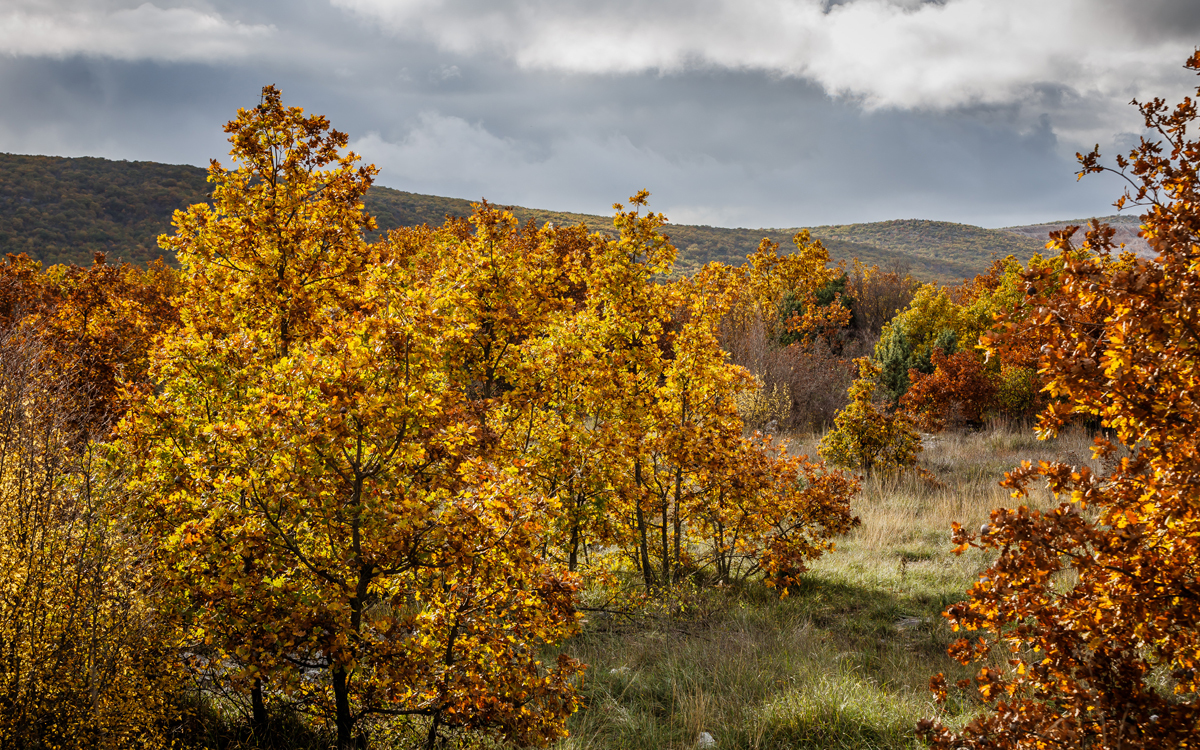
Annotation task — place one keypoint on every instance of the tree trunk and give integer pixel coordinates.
(666, 540)
(259, 719)
(678, 498)
(678, 518)
(573, 558)
(643, 544)
(341, 699)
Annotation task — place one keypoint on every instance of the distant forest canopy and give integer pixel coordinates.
(63, 210)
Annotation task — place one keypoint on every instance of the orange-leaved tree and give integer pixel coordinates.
(317, 468)
(762, 511)
(970, 385)
(959, 391)
(1096, 603)
(95, 325)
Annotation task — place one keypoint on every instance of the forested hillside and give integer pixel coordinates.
(699, 245)
(63, 210)
(936, 242)
(60, 210)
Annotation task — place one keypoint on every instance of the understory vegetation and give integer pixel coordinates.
(844, 660)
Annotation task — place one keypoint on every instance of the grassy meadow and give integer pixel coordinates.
(844, 661)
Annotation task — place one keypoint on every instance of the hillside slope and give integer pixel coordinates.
(697, 245)
(935, 240)
(62, 210)
(1126, 231)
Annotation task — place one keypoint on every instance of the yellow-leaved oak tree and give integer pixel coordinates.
(331, 520)
(753, 508)
(768, 279)
(865, 436)
(654, 412)
(1096, 603)
(600, 364)
(535, 373)
(778, 293)
(629, 311)
(733, 504)
(529, 377)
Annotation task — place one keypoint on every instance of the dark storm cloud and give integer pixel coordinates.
(1153, 20)
(755, 113)
(734, 148)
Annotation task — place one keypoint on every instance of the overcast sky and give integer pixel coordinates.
(755, 113)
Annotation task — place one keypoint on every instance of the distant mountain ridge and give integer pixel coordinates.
(936, 241)
(697, 244)
(1126, 231)
(62, 210)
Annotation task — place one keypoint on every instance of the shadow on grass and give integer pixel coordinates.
(831, 665)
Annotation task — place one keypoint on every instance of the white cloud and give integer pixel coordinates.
(886, 53)
(126, 33)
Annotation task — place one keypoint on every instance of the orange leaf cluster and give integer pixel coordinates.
(96, 325)
(1097, 602)
(959, 392)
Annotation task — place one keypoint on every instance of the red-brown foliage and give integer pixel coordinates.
(1096, 603)
(95, 326)
(958, 393)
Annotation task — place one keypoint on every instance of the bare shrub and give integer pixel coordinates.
(879, 294)
(814, 378)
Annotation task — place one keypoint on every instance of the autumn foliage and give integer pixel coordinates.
(943, 363)
(794, 322)
(364, 482)
(958, 391)
(82, 655)
(367, 483)
(865, 435)
(95, 326)
(1094, 605)
(85, 660)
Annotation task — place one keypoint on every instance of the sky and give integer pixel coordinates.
(741, 113)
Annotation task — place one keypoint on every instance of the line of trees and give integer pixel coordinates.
(364, 482)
